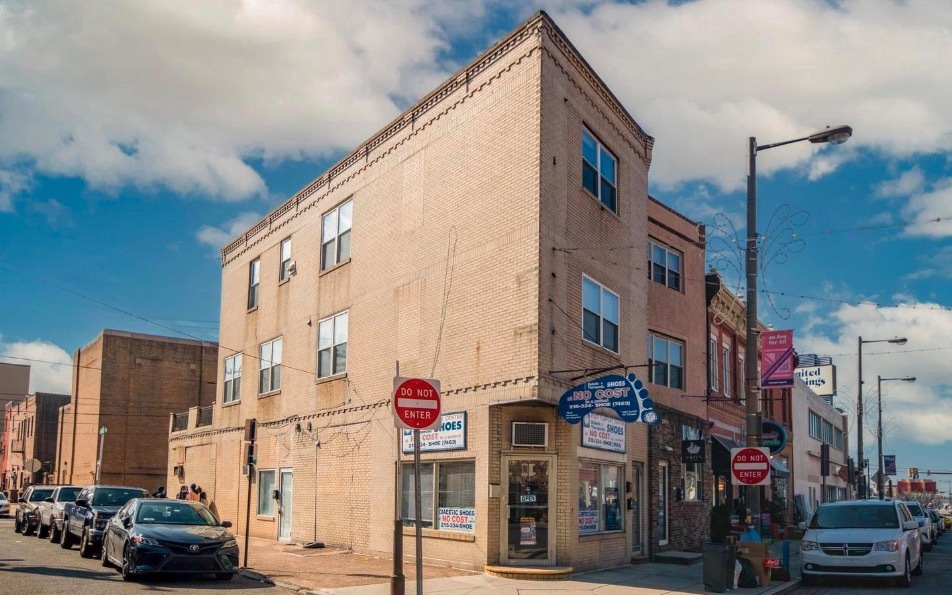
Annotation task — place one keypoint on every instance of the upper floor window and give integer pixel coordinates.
(741, 375)
(232, 379)
(664, 265)
(815, 426)
(665, 361)
(332, 345)
(726, 362)
(335, 235)
(254, 278)
(712, 361)
(837, 438)
(269, 373)
(600, 315)
(598, 171)
(285, 271)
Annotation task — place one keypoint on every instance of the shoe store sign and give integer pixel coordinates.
(603, 432)
(449, 435)
(625, 395)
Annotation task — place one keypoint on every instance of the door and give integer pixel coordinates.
(637, 474)
(663, 504)
(285, 496)
(529, 524)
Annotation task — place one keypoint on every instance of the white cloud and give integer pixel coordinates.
(907, 183)
(12, 182)
(55, 377)
(935, 204)
(218, 237)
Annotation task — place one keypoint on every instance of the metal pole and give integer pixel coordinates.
(860, 477)
(419, 512)
(248, 508)
(397, 580)
(754, 429)
(879, 435)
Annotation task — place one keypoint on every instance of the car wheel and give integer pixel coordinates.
(42, 531)
(66, 541)
(85, 548)
(906, 579)
(128, 568)
(224, 576)
(16, 524)
(26, 528)
(54, 534)
(104, 556)
(919, 569)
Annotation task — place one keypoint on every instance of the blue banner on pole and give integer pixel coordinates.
(626, 395)
(889, 464)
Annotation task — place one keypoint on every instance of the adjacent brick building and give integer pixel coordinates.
(125, 385)
(32, 424)
(14, 387)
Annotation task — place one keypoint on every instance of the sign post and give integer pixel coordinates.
(416, 406)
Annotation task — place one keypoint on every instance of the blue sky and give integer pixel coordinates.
(137, 138)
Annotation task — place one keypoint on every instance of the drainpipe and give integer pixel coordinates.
(78, 358)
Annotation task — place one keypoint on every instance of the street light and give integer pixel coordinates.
(830, 134)
(861, 487)
(879, 432)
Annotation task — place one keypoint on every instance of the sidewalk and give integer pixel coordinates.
(332, 571)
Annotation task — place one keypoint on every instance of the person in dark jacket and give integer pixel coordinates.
(159, 492)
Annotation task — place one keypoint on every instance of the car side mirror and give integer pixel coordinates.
(50, 499)
(82, 502)
(802, 525)
(226, 524)
(126, 521)
(910, 526)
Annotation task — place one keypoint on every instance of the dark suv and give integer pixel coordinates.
(27, 516)
(85, 519)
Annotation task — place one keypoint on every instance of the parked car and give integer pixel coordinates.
(175, 536)
(85, 519)
(51, 517)
(4, 505)
(925, 524)
(27, 516)
(868, 538)
(937, 524)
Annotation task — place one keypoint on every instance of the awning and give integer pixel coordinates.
(721, 454)
(778, 469)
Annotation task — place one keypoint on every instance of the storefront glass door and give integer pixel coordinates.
(530, 510)
(285, 496)
(637, 471)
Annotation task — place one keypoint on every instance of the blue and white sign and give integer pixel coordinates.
(603, 432)
(457, 519)
(587, 521)
(451, 435)
(627, 396)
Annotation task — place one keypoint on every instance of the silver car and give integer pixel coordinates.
(925, 524)
(867, 538)
(51, 515)
(4, 505)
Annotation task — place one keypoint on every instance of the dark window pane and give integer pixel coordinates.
(343, 243)
(324, 363)
(589, 149)
(607, 167)
(276, 377)
(327, 255)
(340, 358)
(611, 335)
(651, 365)
(658, 271)
(674, 280)
(264, 381)
(589, 178)
(661, 374)
(590, 327)
(252, 296)
(236, 391)
(608, 195)
(676, 377)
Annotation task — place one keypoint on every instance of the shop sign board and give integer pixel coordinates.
(626, 395)
(457, 519)
(449, 435)
(587, 521)
(820, 379)
(776, 359)
(603, 432)
(889, 464)
(773, 436)
(416, 403)
(692, 451)
(527, 531)
(750, 466)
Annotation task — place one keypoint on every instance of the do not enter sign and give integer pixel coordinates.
(750, 466)
(416, 403)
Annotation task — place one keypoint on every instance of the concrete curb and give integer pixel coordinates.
(257, 576)
(788, 586)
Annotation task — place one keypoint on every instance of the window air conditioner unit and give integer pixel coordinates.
(178, 470)
(292, 268)
(526, 433)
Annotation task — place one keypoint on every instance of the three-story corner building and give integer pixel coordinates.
(493, 237)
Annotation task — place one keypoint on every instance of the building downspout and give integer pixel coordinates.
(78, 358)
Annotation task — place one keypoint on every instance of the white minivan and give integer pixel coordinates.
(868, 538)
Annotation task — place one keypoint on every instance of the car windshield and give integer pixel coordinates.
(116, 496)
(68, 494)
(914, 508)
(174, 513)
(40, 495)
(855, 517)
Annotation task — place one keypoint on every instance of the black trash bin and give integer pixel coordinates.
(718, 563)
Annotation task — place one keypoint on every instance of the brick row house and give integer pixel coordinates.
(31, 441)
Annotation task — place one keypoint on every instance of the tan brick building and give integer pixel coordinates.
(129, 383)
(32, 424)
(494, 237)
(14, 387)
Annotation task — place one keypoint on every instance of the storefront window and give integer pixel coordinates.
(266, 492)
(453, 508)
(599, 501)
(692, 471)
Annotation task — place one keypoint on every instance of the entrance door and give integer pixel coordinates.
(529, 526)
(663, 504)
(286, 494)
(637, 475)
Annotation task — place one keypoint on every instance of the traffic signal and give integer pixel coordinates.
(251, 428)
(251, 454)
(824, 460)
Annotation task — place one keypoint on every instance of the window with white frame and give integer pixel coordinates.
(285, 270)
(665, 361)
(726, 362)
(599, 497)
(254, 279)
(741, 375)
(598, 171)
(332, 345)
(335, 235)
(692, 471)
(664, 265)
(232, 379)
(269, 374)
(599, 315)
(266, 492)
(447, 495)
(815, 426)
(712, 361)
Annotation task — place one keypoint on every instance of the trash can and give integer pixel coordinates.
(718, 560)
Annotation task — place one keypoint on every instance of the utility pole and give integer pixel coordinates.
(102, 442)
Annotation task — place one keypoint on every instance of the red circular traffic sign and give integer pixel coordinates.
(416, 403)
(750, 466)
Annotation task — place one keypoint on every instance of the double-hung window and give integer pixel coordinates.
(269, 375)
(254, 278)
(332, 345)
(664, 265)
(726, 362)
(232, 379)
(600, 315)
(815, 426)
(741, 375)
(599, 493)
(598, 171)
(665, 361)
(712, 361)
(447, 496)
(335, 235)
(285, 271)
